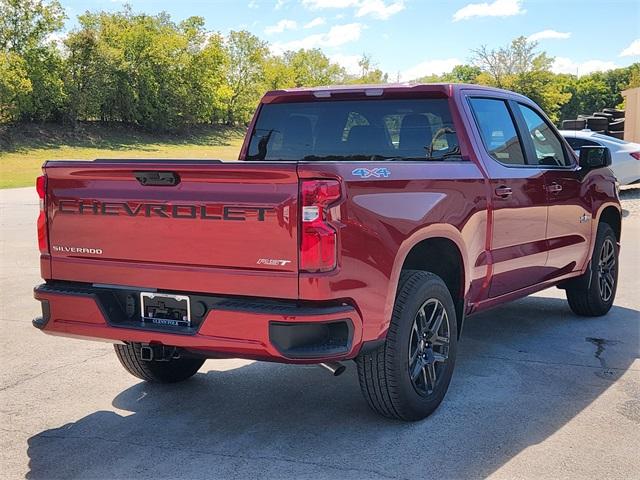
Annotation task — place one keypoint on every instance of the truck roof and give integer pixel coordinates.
(372, 90)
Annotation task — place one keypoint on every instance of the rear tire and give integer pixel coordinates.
(592, 295)
(407, 377)
(166, 371)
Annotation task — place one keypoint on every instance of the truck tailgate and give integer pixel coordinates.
(223, 228)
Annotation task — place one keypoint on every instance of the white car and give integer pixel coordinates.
(625, 156)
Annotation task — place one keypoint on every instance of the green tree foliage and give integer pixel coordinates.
(144, 70)
(302, 68)
(247, 56)
(278, 74)
(598, 90)
(15, 86)
(369, 73)
(312, 68)
(150, 71)
(25, 25)
(521, 68)
(30, 58)
(463, 74)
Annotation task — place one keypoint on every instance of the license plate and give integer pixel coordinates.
(165, 309)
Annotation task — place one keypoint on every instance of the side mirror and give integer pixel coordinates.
(594, 157)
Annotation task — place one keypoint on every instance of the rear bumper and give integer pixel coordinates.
(222, 327)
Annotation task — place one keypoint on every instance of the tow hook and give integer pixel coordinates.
(159, 353)
(336, 368)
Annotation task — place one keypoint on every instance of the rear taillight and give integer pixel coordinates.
(318, 246)
(636, 155)
(41, 188)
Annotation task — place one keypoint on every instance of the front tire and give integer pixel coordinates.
(165, 371)
(592, 295)
(408, 376)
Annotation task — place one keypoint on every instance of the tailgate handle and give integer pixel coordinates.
(166, 179)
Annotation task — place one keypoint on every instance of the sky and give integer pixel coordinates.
(412, 38)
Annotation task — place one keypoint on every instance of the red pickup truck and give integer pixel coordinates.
(360, 223)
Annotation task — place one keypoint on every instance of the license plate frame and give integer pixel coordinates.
(147, 299)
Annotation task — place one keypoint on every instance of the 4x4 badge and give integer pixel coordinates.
(379, 172)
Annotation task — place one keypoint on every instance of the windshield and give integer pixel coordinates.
(365, 130)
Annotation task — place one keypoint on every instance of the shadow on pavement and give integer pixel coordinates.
(524, 370)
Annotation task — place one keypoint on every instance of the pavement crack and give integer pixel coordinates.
(546, 362)
(600, 343)
(67, 365)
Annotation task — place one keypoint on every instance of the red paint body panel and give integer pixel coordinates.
(211, 232)
(166, 248)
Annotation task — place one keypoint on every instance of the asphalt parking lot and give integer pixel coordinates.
(537, 393)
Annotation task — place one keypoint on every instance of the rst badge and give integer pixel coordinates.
(273, 262)
(379, 172)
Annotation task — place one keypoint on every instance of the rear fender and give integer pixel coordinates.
(439, 230)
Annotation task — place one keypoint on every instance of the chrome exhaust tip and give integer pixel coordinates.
(336, 368)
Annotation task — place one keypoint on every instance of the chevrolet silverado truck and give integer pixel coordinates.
(360, 223)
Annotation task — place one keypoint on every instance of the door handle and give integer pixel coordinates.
(554, 188)
(503, 191)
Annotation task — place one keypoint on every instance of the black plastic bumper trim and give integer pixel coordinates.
(41, 322)
(307, 340)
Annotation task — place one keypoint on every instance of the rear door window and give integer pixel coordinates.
(498, 130)
(354, 130)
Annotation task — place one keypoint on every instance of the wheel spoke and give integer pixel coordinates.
(608, 256)
(424, 377)
(431, 376)
(609, 279)
(434, 326)
(415, 331)
(422, 320)
(427, 326)
(413, 356)
(439, 357)
(416, 369)
(440, 341)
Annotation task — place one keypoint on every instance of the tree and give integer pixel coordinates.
(145, 70)
(15, 86)
(519, 67)
(278, 74)
(502, 63)
(312, 68)
(593, 92)
(634, 77)
(25, 27)
(369, 73)
(247, 56)
(26, 24)
(463, 74)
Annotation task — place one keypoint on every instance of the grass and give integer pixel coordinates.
(24, 148)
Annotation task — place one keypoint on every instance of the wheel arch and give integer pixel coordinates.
(438, 250)
(612, 216)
